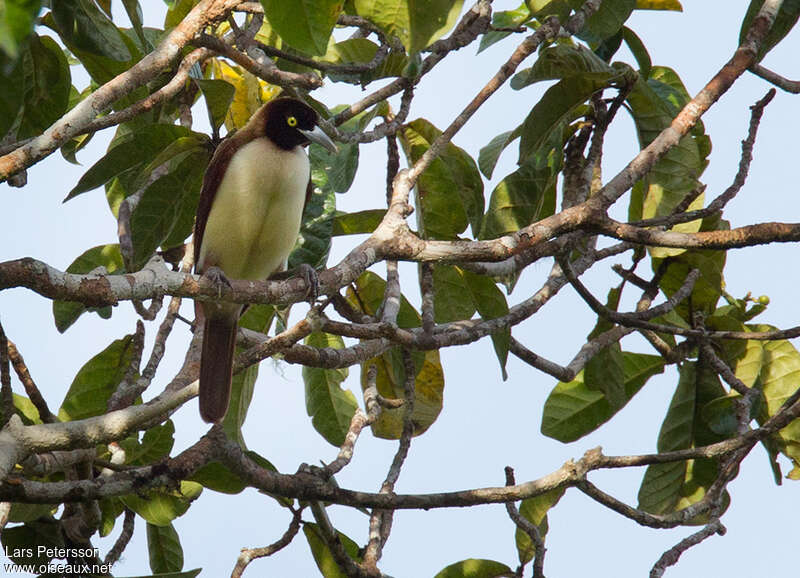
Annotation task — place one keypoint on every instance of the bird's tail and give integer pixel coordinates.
(216, 363)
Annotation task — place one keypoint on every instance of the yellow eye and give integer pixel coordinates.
(291, 121)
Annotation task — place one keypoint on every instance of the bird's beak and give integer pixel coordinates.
(319, 137)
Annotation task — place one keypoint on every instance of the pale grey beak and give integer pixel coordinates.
(319, 137)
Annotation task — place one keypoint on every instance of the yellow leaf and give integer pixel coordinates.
(250, 93)
(659, 5)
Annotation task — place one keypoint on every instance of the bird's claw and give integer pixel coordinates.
(309, 275)
(216, 277)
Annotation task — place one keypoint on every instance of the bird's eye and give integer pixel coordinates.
(291, 121)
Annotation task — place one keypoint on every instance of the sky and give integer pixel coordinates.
(486, 423)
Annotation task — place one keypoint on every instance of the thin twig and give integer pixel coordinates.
(247, 555)
(671, 556)
(6, 395)
(358, 422)
(124, 538)
(331, 538)
(426, 290)
(792, 86)
(21, 369)
(392, 294)
(380, 521)
(528, 527)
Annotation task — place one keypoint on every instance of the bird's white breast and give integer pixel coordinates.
(255, 217)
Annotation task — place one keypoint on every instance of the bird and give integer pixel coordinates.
(247, 222)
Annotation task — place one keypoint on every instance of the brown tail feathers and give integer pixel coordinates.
(216, 363)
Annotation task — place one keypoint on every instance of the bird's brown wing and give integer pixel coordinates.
(214, 173)
(309, 192)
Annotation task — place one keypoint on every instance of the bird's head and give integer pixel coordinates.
(289, 123)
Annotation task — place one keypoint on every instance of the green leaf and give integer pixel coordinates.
(47, 86)
(608, 47)
(708, 287)
(258, 317)
(217, 477)
(416, 24)
(563, 61)
(164, 547)
(561, 9)
(745, 358)
(556, 105)
(639, 367)
(26, 410)
(100, 66)
(96, 381)
(160, 507)
(65, 313)
(85, 26)
(673, 486)
(535, 511)
(219, 96)
(17, 18)
(304, 24)
(31, 542)
(12, 94)
(450, 190)
(488, 155)
(340, 167)
(110, 510)
(130, 150)
(573, 410)
(322, 555)
(605, 371)
(242, 389)
(639, 51)
(134, 12)
(449, 302)
(156, 444)
(177, 11)
(459, 293)
(163, 202)
(504, 19)
(316, 230)
(607, 20)
(654, 104)
(660, 489)
(21, 512)
(475, 568)
(359, 222)
(778, 379)
(784, 22)
(525, 196)
(330, 407)
(352, 51)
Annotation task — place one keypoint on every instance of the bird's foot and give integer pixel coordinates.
(309, 275)
(216, 277)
